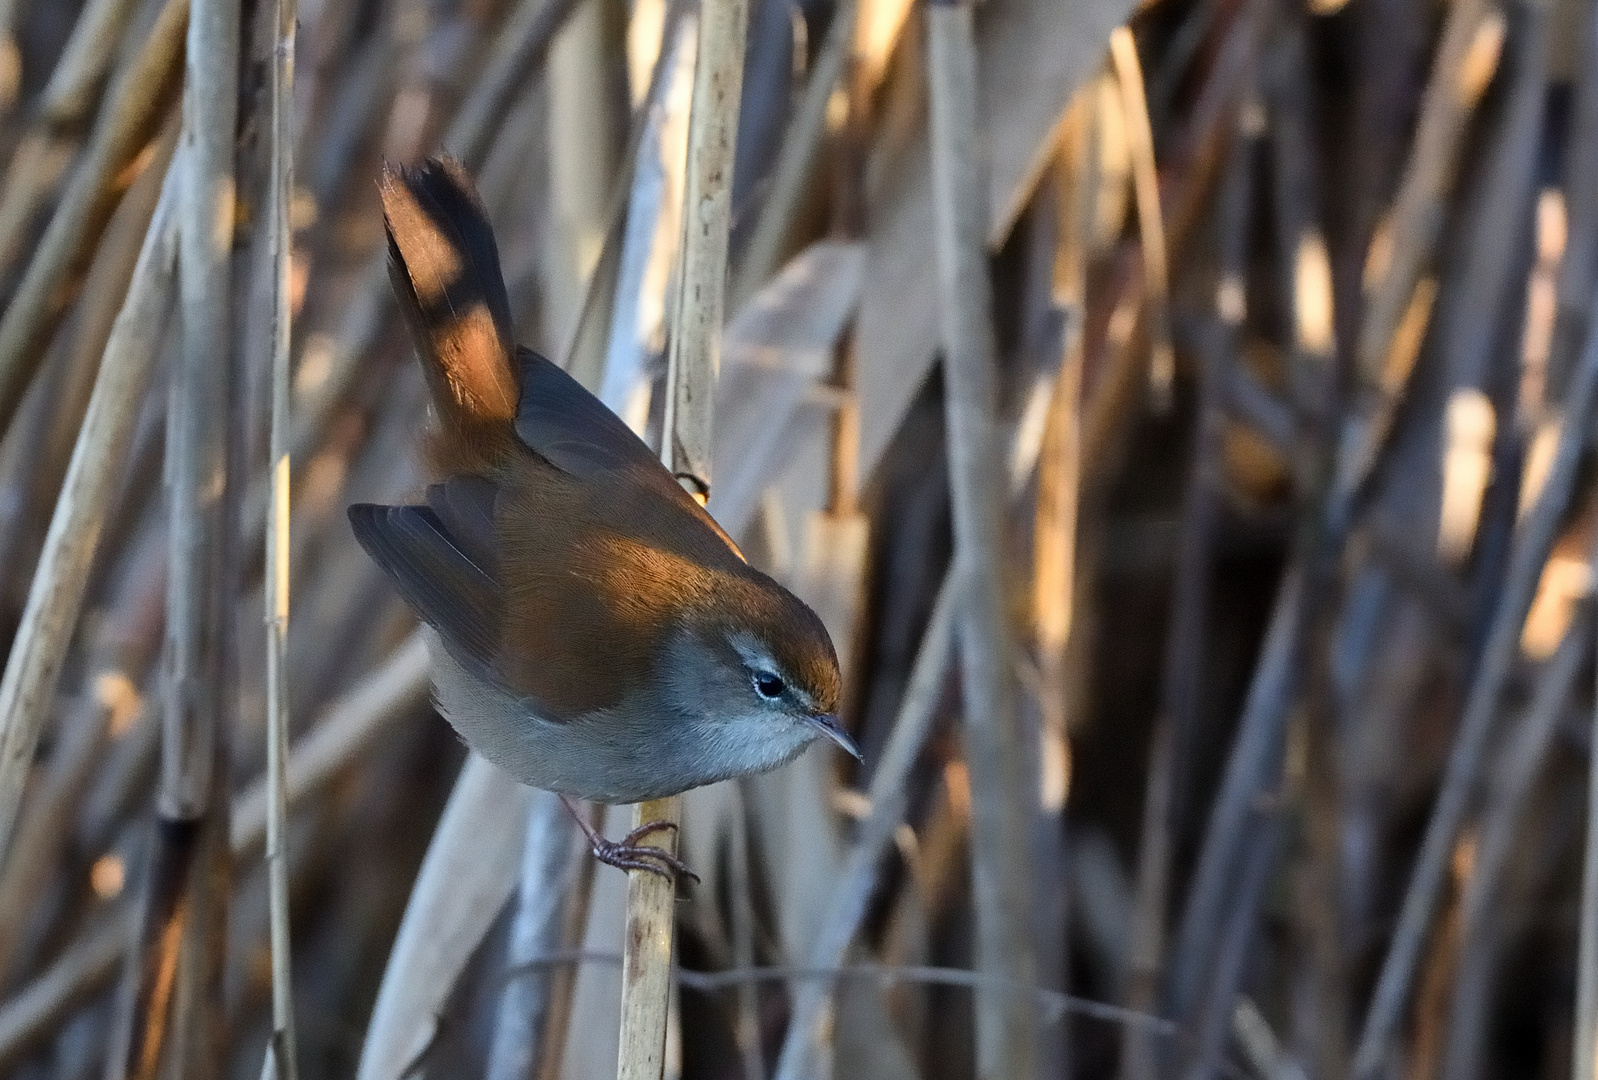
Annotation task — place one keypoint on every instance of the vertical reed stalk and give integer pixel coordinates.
(281, 1054)
(695, 350)
(196, 444)
(583, 151)
(646, 962)
(1059, 470)
(1187, 631)
(685, 448)
(1006, 1023)
(176, 1016)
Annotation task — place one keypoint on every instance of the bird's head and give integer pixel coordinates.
(756, 674)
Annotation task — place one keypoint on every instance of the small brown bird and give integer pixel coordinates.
(593, 631)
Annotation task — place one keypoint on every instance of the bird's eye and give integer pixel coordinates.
(768, 686)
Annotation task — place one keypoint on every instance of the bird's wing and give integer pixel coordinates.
(435, 576)
(563, 423)
(573, 430)
(465, 506)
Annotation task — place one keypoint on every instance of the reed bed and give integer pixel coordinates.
(1181, 416)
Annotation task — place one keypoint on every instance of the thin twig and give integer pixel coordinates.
(1054, 1003)
(282, 1054)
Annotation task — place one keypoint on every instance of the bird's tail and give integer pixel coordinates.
(445, 268)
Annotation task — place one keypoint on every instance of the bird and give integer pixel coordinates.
(591, 629)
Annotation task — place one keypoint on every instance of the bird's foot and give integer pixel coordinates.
(628, 854)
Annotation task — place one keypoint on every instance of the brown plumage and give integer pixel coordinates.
(444, 266)
(594, 630)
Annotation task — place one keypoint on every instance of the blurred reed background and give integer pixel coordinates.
(1224, 675)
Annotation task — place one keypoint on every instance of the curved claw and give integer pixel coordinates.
(628, 854)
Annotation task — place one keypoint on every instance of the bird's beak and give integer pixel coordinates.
(828, 724)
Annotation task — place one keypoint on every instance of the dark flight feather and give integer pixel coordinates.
(465, 506)
(562, 422)
(445, 588)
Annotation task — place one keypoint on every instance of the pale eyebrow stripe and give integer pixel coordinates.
(759, 657)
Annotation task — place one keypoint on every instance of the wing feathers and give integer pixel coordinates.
(562, 422)
(445, 588)
(465, 506)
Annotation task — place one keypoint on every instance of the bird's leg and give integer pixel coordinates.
(626, 853)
